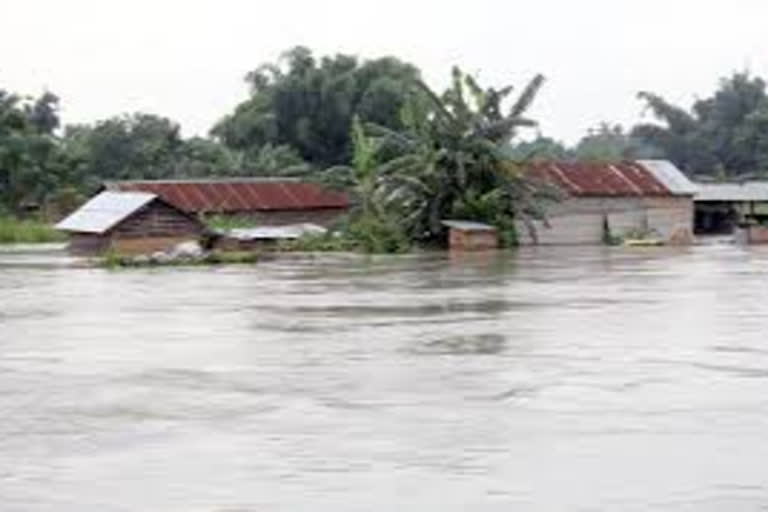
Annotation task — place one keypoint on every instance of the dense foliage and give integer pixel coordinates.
(725, 135)
(308, 104)
(409, 157)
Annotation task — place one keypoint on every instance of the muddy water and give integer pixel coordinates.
(589, 379)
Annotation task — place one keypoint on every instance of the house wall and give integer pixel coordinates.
(580, 221)
(87, 243)
(464, 240)
(156, 227)
(157, 219)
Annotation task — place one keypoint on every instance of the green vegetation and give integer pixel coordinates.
(15, 231)
(408, 156)
(114, 260)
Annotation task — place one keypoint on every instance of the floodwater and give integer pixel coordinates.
(543, 380)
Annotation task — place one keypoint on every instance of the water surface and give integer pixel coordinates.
(542, 380)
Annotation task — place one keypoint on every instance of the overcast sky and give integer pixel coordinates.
(185, 59)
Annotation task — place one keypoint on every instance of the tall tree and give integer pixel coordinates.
(309, 104)
(462, 168)
(30, 158)
(724, 135)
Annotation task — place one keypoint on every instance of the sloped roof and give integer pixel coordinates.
(104, 211)
(750, 191)
(621, 179)
(290, 232)
(238, 194)
(467, 225)
(672, 177)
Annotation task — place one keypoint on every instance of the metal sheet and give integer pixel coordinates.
(623, 179)
(672, 178)
(105, 211)
(238, 195)
(751, 191)
(277, 232)
(465, 225)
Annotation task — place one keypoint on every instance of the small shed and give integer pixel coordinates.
(130, 223)
(264, 237)
(471, 236)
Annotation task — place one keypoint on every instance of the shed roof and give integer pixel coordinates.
(750, 191)
(238, 194)
(290, 232)
(466, 225)
(105, 211)
(621, 179)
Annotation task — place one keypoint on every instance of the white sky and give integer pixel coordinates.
(185, 59)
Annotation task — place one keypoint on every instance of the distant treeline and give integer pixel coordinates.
(298, 118)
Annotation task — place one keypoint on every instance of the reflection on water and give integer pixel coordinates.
(547, 379)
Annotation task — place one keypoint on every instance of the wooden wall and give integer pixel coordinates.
(579, 221)
(155, 227)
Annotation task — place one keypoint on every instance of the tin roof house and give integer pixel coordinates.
(648, 198)
(130, 223)
(267, 201)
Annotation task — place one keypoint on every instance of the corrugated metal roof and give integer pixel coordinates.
(105, 211)
(466, 225)
(623, 179)
(756, 191)
(672, 177)
(291, 232)
(238, 195)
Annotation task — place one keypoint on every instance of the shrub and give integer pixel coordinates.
(30, 231)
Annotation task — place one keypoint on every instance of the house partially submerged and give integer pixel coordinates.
(722, 207)
(606, 201)
(471, 236)
(129, 223)
(266, 201)
(264, 237)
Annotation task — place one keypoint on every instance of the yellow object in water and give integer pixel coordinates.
(643, 242)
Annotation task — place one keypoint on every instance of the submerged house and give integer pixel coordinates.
(130, 223)
(471, 236)
(722, 207)
(739, 209)
(604, 201)
(266, 201)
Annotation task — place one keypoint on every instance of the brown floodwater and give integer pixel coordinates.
(540, 380)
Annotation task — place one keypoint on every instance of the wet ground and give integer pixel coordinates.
(542, 380)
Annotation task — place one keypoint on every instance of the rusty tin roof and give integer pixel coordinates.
(238, 194)
(622, 179)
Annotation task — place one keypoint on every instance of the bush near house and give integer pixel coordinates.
(30, 231)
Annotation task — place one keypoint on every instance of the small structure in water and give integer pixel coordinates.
(733, 208)
(129, 223)
(264, 237)
(471, 236)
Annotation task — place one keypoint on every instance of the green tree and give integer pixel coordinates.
(459, 143)
(308, 104)
(540, 149)
(30, 157)
(721, 135)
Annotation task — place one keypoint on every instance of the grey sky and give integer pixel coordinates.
(185, 59)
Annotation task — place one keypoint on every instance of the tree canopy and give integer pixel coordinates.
(725, 135)
(308, 104)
